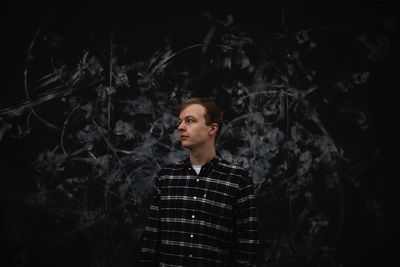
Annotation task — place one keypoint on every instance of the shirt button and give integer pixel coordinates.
(197, 180)
(190, 255)
(193, 216)
(194, 197)
(191, 236)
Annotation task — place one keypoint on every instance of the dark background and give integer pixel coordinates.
(367, 198)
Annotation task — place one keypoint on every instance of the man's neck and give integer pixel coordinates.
(201, 156)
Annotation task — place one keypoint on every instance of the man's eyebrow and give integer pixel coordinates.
(188, 117)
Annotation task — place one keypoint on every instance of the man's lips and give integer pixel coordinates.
(184, 136)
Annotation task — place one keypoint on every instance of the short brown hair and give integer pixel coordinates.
(213, 113)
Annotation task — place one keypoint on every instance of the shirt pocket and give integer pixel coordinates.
(218, 205)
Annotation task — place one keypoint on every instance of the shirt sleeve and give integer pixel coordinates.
(149, 250)
(247, 229)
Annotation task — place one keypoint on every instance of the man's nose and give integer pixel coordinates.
(181, 126)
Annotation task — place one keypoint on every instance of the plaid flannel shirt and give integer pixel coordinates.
(209, 219)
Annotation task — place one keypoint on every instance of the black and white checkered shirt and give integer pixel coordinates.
(204, 220)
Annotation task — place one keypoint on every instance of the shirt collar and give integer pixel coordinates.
(212, 162)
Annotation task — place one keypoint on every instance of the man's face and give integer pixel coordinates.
(193, 129)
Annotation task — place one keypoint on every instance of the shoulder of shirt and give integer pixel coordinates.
(227, 164)
(234, 169)
(172, 167)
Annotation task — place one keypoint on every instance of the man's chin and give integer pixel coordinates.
(185, 145)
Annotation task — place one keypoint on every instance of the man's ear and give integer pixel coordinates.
(213, 128)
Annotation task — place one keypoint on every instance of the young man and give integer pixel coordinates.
(203, 211)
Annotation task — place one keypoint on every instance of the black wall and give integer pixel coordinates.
(88, 113)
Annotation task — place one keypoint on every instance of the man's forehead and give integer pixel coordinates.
(194, 110)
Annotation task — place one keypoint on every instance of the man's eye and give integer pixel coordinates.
(189, 121)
